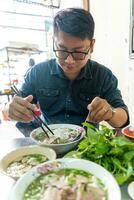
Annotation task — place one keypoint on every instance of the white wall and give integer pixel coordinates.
(112, 21)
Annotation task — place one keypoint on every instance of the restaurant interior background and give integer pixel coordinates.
(26, 32)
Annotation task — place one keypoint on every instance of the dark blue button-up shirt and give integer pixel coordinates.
(65, 101)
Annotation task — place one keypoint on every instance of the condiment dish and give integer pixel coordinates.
(128, 131)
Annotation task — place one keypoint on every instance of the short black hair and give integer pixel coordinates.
(74, 21)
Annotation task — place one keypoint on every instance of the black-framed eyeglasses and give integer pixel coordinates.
(76, 55)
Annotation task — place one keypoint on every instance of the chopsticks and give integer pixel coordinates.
(35, 114)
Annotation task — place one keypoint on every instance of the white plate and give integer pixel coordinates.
(108, 180)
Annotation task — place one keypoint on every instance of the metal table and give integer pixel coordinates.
(6, 145)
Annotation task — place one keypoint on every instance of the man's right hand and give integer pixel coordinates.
(19, 109)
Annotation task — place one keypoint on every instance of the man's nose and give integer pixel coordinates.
(69, 59)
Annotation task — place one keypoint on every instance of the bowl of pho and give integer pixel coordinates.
(66, 137)
(19, 161)
(67, 178)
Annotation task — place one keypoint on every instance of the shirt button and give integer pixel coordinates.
(68, 115)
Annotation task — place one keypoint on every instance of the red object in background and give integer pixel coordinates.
(15, 81)
(4, 116)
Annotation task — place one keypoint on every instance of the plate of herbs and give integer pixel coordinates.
(104, 147)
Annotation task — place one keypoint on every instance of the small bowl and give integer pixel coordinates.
(24, 151)
(61, 148)
(128, 131)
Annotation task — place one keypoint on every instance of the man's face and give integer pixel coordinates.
(65, 42)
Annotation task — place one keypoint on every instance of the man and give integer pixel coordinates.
(71, 88)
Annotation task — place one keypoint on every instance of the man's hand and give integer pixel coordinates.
(18, 109)
(99, 110)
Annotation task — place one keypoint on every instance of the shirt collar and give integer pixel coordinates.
(85, 72)
(56, 70)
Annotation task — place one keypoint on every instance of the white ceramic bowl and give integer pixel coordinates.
(60, 148)
(108, 180)
(23, 151)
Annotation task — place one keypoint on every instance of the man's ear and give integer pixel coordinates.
(92, 45)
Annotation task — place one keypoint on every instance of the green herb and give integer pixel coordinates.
(102, 146)
(40, 136)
